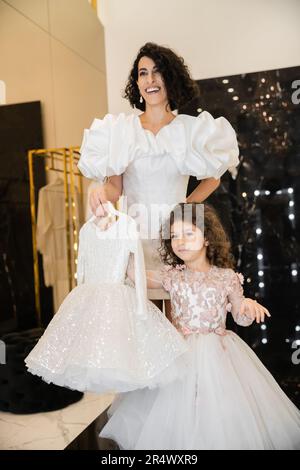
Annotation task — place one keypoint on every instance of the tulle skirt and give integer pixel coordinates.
(226, 399)
(96, 343)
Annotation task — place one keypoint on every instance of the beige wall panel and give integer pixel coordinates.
(35, 10)
(80, 94)
(25, 65)
(68, 24)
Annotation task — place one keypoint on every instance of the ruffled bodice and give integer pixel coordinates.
(156, 168)
(199, 146)
(200, 301)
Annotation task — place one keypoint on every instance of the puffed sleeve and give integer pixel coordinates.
(236, 297)
(212, 147)
(105, 148)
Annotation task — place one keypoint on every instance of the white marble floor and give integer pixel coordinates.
(53, 430)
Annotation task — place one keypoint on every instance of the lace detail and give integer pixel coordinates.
(201, 300)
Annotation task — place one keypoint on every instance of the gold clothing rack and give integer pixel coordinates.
(66, 157)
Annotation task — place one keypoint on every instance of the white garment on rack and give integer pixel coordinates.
(51, 236)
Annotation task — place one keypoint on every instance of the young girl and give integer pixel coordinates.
(226, 398)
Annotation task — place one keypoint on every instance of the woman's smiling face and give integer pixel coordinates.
(150, 82)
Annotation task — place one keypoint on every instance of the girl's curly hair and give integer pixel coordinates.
(180, 87)
(218, 251)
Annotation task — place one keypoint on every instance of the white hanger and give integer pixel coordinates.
(109, 208)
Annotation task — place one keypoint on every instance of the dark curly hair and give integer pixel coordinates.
(180, 87)
(218, 251)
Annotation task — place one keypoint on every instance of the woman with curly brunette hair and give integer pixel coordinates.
(149, 157)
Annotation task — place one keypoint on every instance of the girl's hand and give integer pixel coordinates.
(97, 198)
(254, 310)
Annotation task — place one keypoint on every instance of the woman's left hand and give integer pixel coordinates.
(252, 309)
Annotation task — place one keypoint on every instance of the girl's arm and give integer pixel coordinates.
(254, 310)
(236, 298)
(203, 190)
(154, 278)
(243, 310)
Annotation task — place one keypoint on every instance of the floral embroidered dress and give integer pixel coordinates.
(226, 398)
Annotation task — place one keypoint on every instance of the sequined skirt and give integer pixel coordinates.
(95, 342)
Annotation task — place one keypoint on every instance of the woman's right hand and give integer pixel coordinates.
(110, 190)
(97, 198)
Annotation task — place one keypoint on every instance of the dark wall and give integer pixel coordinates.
(20, 131)
(260, 208)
